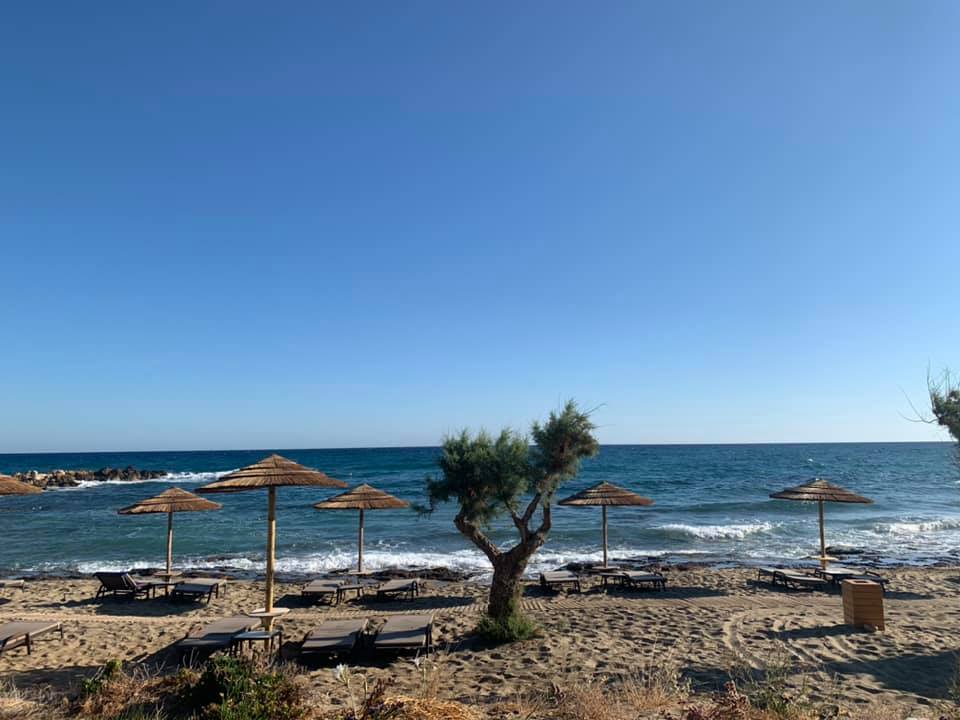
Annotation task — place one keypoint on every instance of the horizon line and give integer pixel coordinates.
(678, 443)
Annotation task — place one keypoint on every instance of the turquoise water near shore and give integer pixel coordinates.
(711, 505)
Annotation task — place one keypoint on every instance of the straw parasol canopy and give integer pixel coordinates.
(169, 502)
(12, 486)
(270, 473)
(820, 491)
(363, 497)
(606, 495)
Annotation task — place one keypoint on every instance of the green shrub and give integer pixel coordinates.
(231, 688)
(513, 628)
(93, 685)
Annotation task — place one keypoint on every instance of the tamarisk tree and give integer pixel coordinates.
(945, 404)
(490, 477)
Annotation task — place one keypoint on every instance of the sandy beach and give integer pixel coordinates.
(707, 621)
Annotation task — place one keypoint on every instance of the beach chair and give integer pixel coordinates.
(6, 584)
(639, 579)
(218, 635)
(323, 588)
(17, 634)
(405, 632)
(836, 574)
(554, 579)
(792, 580)
(333, 637)
(121, 584)
(768, 573)
(403, 587)
(196, 589)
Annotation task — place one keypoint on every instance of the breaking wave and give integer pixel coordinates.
(918, 527)
(735, 531)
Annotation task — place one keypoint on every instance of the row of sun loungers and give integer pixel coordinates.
(817, 579)
(333, 637)
(335, 590)
(556, 579)
(124, 585)
(398, 633)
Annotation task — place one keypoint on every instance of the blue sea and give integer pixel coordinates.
(712, 505)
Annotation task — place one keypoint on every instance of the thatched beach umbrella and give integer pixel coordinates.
(12, 486)
(820, 491)
(363, 497)
(169, 502)
(605, 495)
(270, 473)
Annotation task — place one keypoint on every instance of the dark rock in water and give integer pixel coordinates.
(72, 478)
(844, 551)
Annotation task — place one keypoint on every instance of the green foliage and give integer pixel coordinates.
(945, 404)
(512, 628)
(94, 685)
(485, 476)
(489, 476)
(231, 688)
(560, 446)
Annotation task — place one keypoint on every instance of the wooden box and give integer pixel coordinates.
(863, 603)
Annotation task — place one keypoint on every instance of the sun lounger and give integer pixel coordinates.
(798, 581)
(409, 587)
(770, 573)
(17, 634)
(215, 636)
(554, 579)
(836, 574)
(638, 579)
(197, 589)
(317, 589)
(11, 584)
(120, 584)
(405, 632)
(333, 637)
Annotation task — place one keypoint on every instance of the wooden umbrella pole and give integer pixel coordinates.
(271, 543)
(360, 545)
(823, 541)
(169, 544)
(605, 536)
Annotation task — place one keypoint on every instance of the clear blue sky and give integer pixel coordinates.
(237, 224)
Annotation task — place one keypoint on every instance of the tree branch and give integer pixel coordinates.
(532, 508)
(477, 537)
(545, 525)
(520, 525)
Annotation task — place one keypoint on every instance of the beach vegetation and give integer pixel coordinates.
(490, 477)
(225, 688)
(514, 627)
(237, 688)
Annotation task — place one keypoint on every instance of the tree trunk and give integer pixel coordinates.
(508, 572)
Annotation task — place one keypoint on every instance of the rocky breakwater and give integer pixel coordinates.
(73, 478)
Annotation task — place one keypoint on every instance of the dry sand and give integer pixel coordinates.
(707, 621)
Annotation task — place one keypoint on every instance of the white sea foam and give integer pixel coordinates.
(918, 527)
(471, 562)
(736, 531)
(177, 477)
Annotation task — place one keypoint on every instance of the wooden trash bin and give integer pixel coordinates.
(863, 603)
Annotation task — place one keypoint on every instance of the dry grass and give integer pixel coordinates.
(116, 692)
(29, 704)
(655, 689)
